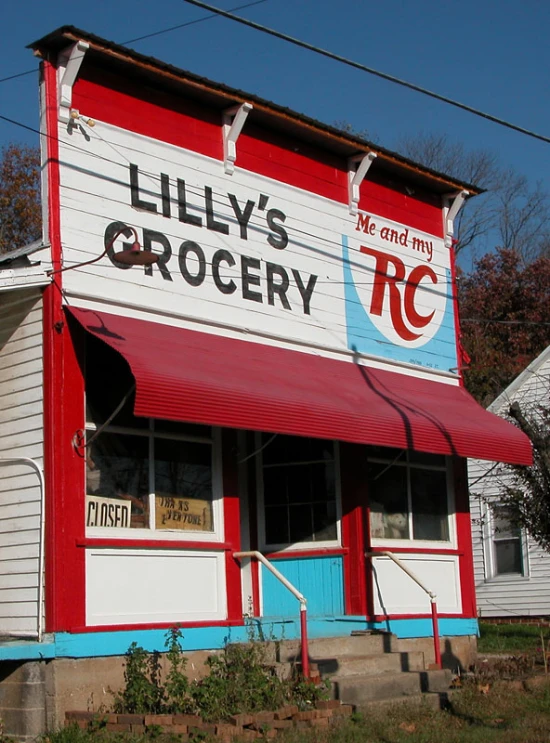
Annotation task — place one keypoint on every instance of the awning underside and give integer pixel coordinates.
(203, 378)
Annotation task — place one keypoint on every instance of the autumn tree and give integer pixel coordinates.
(526, 493)
(505, 321)
(20, 213)
(513, 213)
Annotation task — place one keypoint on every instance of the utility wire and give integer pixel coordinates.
(19, 74)
(189, 23)
(370, 70)
(149, 36)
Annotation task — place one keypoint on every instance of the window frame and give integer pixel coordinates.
(451, 542)
(168, 535)
(489, 518)
(297, 546)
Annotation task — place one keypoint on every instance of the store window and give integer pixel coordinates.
(408, 495)
(507, 544)
(142, 474)
(299, 492)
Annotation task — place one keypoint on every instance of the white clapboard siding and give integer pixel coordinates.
(514, 596)
(21, 435)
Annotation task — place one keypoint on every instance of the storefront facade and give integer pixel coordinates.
(285, 378)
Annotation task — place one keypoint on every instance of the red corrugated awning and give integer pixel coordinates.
(202, 378)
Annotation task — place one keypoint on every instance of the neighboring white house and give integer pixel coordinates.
(512, 573)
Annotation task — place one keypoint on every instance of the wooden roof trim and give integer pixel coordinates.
(236, 97)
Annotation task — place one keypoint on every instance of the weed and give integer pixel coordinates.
(239, 680)
(143, 691)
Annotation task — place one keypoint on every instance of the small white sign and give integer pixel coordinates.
(107, 512)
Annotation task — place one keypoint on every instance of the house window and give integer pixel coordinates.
(142, 474)
(408, 495)
(299, 492)
(507, 544)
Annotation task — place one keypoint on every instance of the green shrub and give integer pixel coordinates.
(239, 680)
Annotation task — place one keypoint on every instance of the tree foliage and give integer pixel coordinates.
(526, 494)
(505, 321)
(20, 213)
(512, 213)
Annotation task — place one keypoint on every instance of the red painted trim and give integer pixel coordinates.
(464, 537)
(63, 414)
(428, 615)
(415, 551)
(232, 516)
(163, 625)
(353, 486)
(152, 544)
(456, 312)
(293, 554)
(252, 492)
(185, 123)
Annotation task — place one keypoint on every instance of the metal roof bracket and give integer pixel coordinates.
(358, 168)
(233, 122)
(456, 203)
(69, 65)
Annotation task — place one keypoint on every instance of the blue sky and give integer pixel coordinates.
(490, 54)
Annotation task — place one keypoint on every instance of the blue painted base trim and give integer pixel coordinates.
(100, 644)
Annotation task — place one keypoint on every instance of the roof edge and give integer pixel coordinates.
(61, 37)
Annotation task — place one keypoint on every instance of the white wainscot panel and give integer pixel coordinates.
(396, 593)
(146, 586)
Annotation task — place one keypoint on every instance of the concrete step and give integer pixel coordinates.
(362, 665)
(337, 647)
(360, 690)
(433, 700)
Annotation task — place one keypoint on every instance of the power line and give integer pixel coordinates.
(189, 23)
(19, 74)
(370, 70)
(503, 322)
(149, 36)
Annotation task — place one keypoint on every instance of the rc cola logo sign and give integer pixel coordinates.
(398, 294)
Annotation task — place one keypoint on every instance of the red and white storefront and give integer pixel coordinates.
(286, 378)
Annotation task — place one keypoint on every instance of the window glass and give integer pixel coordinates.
(506, 544)
(183, 485)
(299, 490)
(389, 511)
(508, 557)
(429, 504)
(408, 496)
(117, 481)
(140, 473)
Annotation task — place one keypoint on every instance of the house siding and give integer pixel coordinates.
(21, 435)
(517, 596)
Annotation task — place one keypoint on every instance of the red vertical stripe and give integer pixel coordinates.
(464, 537)
(353, 482)
(63, 415)
(231, 511)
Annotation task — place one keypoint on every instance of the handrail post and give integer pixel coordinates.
(437, 648)
(303, 640)
(304, 649)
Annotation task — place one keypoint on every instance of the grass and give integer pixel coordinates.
(500, 713)
(511, 638)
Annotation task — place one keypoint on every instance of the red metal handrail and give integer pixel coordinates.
(433, 598)
(294, 591)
